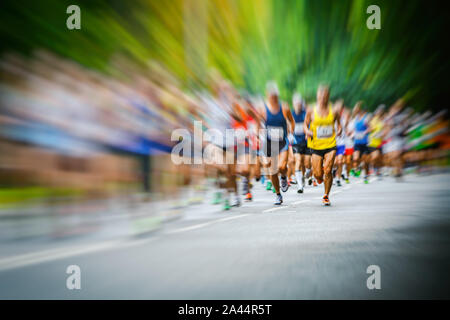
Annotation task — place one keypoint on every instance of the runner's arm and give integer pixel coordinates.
(289, 117)
(369, 126)
(306, 123)
(337, 118)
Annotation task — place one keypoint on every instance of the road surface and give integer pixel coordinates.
(300, 250)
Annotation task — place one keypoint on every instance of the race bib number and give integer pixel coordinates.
(298, 130)
(324, 132)
(275, 133)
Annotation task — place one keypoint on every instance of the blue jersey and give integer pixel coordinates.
(276, 125)
(298, 130)
(360, 127)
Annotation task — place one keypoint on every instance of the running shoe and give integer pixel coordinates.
(248, 197)
(278, 200)
(237, 202)
(358, 173)
(269, 185)
(292, 181)
(310, 181)
(300, 190)
(314, 183)
(366, 179)
(226, 205)
(338, 183)
(284, 184)
(352, 172)
(326, 201)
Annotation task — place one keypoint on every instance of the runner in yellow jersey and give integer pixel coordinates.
(376, 139)
(319, 126)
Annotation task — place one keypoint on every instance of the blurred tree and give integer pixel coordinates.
(298, 43)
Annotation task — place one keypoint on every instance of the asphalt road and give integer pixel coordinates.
(300, 250)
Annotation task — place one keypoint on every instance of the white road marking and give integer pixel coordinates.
(60, 253)
(232, 217)
(201, 225)
(137, 242)
(273, 209)
(49, 255)
(197, 226)
(301, 201)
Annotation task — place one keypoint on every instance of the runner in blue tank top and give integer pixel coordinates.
(302, 167)
(276, 117)
(361, 134)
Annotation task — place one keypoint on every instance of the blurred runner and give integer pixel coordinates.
(246, 125)
(395, 138)
(302, 167)
(361, 151)
(349, 144)
(223, 148)
(340, 142)
(291, 165)
(375, 140)
(319, 127)
(276, 117)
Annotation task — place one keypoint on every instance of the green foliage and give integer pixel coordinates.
(298, 43)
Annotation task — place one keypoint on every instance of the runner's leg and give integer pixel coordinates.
(328, 162)
(317, 167)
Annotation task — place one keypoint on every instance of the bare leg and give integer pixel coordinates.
(374, 159)
(317, 167)
(282, 163)
(243, 169)
(365, 159)
(356, 159)
(275, 182)
(339, 163)
(328, 160)
(291, 163)
(231, 175)
(348, 164)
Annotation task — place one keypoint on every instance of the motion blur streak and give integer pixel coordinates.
(86, 116)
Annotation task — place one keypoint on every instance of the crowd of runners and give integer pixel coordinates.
(96, 133)
(311, 143)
